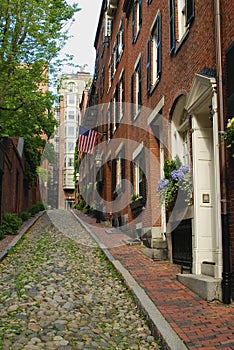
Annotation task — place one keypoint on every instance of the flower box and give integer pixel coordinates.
(136, 205)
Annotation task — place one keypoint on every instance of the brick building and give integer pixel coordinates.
(16, 194)
(162, 72)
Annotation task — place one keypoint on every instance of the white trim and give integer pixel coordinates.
(137, 61)
(154, 22)
(156, 111)
(108, 156)
(137, 151)
(119, 149)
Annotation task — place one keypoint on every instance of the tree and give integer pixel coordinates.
(32, 33)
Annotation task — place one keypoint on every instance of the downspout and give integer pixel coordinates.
(226, 281)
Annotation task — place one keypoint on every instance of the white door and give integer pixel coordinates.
(204, 206)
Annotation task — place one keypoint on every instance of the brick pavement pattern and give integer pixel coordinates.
(200, 324)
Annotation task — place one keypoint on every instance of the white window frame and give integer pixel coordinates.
(182, 28)
(71, 99)
(71, 115)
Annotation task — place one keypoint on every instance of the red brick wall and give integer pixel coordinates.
(17, 196)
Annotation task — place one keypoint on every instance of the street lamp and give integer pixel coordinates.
(98, 162)
(77, 192)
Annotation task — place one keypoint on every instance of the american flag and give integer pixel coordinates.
(86, 140)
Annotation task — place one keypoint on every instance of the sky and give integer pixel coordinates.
(83, 30)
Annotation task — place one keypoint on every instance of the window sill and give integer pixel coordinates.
(134, 40)
(181, 41)
(153, 87)
(135, 116)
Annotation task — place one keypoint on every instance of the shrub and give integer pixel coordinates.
(80, 205)
(36, 208)
(25, 215)
(10, 224)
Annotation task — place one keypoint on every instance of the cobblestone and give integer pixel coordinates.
(58, 291)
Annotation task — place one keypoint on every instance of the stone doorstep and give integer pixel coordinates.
(207, 287)
(154, 253)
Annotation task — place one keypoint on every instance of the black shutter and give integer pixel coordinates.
(132, 95)
(113, 173)
(159, 44)
(189, 11)
(140, 82)
(143, 183)
(123, 172)
(140, 12)
(122, 32)
(133, 23)
(132, 173)
(123, 87)
(148, 68)
(172, 26)
(230, 80)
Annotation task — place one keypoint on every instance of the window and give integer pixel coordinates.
(138, 177)
(180, 132)
(136, 19)
(121, 97)
(120, 41)
(181, 15)
(71, 131)
(70, 146)
(71, 99)
(118, 172)
(71, 87)
(136, 89)
(102, 82)
(108, 27)
(154, 54)
(70, 162)
(71, 115)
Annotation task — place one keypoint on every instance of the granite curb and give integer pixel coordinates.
(157, 323)
(23, 229)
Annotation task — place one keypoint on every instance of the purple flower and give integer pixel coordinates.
(162, 184)
(177, 174)
(184, 169)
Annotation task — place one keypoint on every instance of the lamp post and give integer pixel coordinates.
(98, 163)
(77, 190)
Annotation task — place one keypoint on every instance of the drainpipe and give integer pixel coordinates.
(226, 282)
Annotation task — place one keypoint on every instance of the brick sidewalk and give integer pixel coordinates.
(200, 324)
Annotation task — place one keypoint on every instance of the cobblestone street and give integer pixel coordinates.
(58, 291)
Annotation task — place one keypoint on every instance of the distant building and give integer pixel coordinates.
(70, 90)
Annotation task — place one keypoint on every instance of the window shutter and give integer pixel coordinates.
(140, 83)
(132, 174)
(148, 68)
(122, 32)
(140, 12)
(123, 174)
(123, 87)
(189, 11)
(132, 94)
(133, 23)
(113, 185)
(144, 189)
(143, 183)
(172, 26)
(159, 45)
(230, 79)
